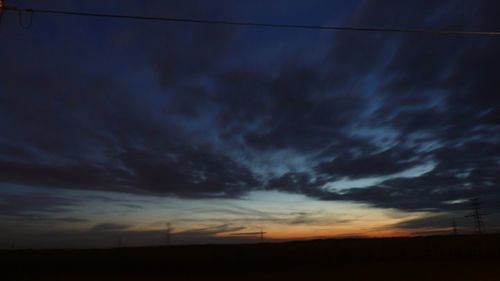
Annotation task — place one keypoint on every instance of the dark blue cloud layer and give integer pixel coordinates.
(184, 110)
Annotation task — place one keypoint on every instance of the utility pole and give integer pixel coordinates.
(477, 216)
(167, 235)
(261, 235)
(454, 226)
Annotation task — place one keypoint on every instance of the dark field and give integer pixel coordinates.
(422, 258)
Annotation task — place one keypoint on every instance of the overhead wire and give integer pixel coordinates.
(1, 11)
(255, 24)
(22, 23)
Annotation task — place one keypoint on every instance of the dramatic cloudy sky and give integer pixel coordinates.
(109, 129)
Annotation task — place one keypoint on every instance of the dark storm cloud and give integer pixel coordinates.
(431, 91)
(183, 110)
(197, 172)
(34, 202)
(79, 176)
(438, 190)
(467, 171)
(83, 134)
(387, 162)
(32, 218)
(426, 192)
(36, 207)
(88, 131)
(302, 183)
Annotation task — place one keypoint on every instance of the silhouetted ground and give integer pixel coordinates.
(421, 258)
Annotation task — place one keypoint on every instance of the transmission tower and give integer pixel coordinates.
(168, 233)
(261, 233)
(454, 226)
(477, 216)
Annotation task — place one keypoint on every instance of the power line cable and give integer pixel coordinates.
(25, 24)
(1, 11)
(257, 24)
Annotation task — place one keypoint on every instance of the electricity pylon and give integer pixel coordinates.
(168, 233)
(477, 216)
(454, 226)
(260, 234)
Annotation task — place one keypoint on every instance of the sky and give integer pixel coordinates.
(109, 129)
